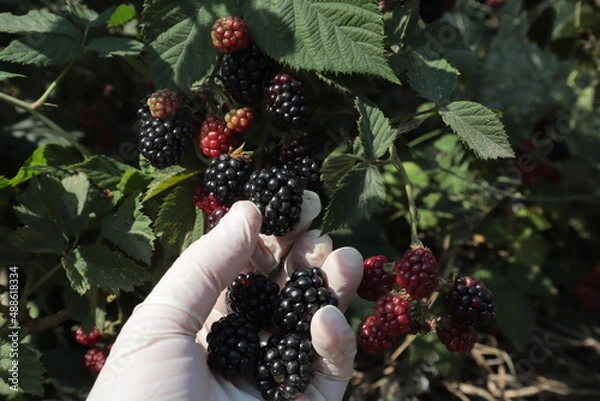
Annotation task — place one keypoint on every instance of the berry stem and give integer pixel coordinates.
(412, 207)
(42, 100)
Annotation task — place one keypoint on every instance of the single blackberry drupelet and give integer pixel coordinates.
(230, 34)
(304, 293)
(277, 192)
(375, 281)
(371, 338)
(163, 142)
(286, 101)
(245, 74)
(301, 156)
(285, 367)
(417, 272)
(90, 339)
(393, 313)
(233, 346)
(254, 297)
(226, 176)
(457, 336)
(469, 301)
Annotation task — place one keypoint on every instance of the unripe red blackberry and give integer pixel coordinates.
(372, 339)
(233, 346)
(239, 120)
(286, 101)
(285, 367)
(304, 293)
(204, 200)
(216, 138)
(393, 313)
(277, 192)
(417, 272)
(163, 103)
(254, 297)
(469, 301)
(375, 281)
(457, 336)
(226, 176)
(90, 339)
(95, 358)
(230, 34)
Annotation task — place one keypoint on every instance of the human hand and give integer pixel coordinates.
(160, 353)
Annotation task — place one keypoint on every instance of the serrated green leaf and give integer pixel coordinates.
(30, 369)
(121, 15)
(359, 194)
(76, 199)
(478, 128)
(114, 46)
(96, 264)
(166, 181)
(103, 171)
(335, 166)
(4, 75)
(432, 79)
(375, 132)
(132, 181)
(38, 21)
(42, 239)
(175, 33)
(174, 225)
(47, 49)
(335, 36)
(129, 229)
(81, 13)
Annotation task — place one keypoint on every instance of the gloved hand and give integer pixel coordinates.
(160, 352)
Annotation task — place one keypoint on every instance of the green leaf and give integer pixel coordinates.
(180, 49)
(174, 224)
(81, 13)
(518, 327)
(38, 21)
(113, 46)
(400, 23)
(48, 49)
(376, 134)
(76, 199)
(129, 229)
(123, 13)
(41, 239)
(432, 79)
(132, 181)
(4, 75)
(103, 171)
(335, 167)
(91, 265)
(30, 369)
(478, 128)
(359, 193)
(166, 181)
(336, 36)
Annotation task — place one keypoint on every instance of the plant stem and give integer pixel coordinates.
(42, 100)
(412, 207)
(41, 281)
(51, 124)
(424, 138)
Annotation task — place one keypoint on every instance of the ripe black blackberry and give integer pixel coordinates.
(245, 74)
(233, 346)
(254, 297)
(301, 156)
(286, 101)
(470, 302)
(225, 177)
(277, 192)
(285, 367)
(304, 293)
(163, 142)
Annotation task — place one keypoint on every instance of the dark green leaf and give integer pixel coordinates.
(540, 30)
(432, 79)
(129, 229)
(376, 134)
(335, 36)
(103, 171)
(114, 46)
(531, 280)
(124, 13)
(132, 181)
(76, 199)
(335, 167)
(478, 128)
(42, 239)
(518, 327)
(166, 181)
(81, 13)
(30, 370)
(400, 23)
(359, 194)
(97, 265)
(4, 75)
(47, 49)
(39, 22)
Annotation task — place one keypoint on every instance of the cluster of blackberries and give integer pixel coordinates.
(400, 290)
(283, 365)
(95, 357)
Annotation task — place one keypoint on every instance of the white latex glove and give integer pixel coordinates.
(160, 352)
